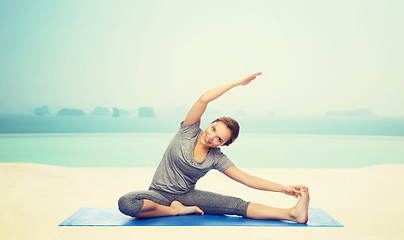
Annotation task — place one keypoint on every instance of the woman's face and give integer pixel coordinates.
(215, 135)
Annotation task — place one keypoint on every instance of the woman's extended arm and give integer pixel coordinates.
(199, 107)
(261, 184)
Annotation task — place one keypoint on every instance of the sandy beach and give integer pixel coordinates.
(36, 198)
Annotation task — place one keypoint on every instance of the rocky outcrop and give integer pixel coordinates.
(41, 111)
(101, 111)
(146, 112)
(71, 112)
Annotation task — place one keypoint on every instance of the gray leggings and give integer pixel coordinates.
(211, 203)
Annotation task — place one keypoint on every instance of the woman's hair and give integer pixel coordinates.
(232, 125)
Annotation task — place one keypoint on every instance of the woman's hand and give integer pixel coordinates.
(248, 79)
(293, 190)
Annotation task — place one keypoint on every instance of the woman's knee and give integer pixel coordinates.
(129, 205)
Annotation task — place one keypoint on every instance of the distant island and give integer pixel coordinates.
(146, 112)
(101, 111)
(41, 111)
(116, 112)
(98, 111)
(361, 112)
(71, 112)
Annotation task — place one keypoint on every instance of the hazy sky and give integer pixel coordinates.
(316, 56)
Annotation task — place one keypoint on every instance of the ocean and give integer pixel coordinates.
(263, 143)
(372, 126)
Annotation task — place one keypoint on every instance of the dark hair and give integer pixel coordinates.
(232, 125)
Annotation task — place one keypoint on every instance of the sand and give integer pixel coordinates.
(36, 198)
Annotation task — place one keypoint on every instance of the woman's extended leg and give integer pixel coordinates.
(214, 203)
(298, 213)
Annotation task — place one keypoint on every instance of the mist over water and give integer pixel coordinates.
(315, 56)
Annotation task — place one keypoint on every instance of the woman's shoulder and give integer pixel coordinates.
(190, 130)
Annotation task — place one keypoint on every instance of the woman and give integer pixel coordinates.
(189, 156)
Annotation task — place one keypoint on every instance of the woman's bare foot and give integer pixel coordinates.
(300, 211)
(183, 210)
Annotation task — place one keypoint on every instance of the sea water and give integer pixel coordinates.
(261, 150)
(372, 126)
(93, 141)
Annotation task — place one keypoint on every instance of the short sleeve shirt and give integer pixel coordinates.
(178, 171)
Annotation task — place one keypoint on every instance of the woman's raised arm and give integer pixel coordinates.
(199, 107)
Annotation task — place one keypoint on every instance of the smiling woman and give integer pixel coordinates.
(189, 156)
(232, 125)
(216, 135)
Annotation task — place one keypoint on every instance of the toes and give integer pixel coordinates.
(201, 212)
(198, 210)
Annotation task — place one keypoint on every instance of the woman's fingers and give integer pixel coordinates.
(256, 74)
(248, 79)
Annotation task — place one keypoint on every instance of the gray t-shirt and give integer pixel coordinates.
(178, 171)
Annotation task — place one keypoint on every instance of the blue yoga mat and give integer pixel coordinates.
(112, 217)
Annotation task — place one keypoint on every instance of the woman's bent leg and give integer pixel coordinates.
(151, 209)
(149, 204)
(132, 203)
